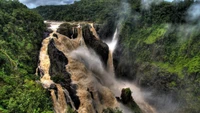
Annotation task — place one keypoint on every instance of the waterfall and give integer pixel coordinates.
(118, 85)
(96, 86)
(93, 95)
(113, 43)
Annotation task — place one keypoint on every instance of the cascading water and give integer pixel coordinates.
(97, 87)
(113, 43)
(118, 85)
(93, 95)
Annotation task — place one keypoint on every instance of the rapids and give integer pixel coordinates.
(97, 86)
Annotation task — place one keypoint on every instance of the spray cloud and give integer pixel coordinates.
(92, 62)
(193, 13)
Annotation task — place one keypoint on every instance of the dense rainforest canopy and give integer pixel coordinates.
(21, 32)
(158, 48)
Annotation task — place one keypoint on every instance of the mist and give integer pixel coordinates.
(143, 97)
(193, 13)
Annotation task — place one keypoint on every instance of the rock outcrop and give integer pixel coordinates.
(68, 78)
(93, 42)
(68, 30)
(58, 72)
(127, 100)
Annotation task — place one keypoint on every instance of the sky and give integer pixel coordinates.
(35, 3)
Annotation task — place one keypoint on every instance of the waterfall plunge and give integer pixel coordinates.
(118, 85)
(113, 43)
(96, 77)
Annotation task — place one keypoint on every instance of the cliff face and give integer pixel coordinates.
(66, 70)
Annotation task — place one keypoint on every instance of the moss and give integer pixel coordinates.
(170, 68)
(194, 65)
(172, 84)
(157, 32)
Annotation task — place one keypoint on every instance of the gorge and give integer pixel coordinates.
(95, 81)
(100, 56)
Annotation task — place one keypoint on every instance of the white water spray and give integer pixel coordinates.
(53, 25)
(88, 73)
(90, 60)
(113, 43)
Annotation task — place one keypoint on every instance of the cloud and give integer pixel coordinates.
(36, 3)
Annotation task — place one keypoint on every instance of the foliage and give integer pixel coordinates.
(163, 54)
(158, 47)
(85, 10)
(21, 32)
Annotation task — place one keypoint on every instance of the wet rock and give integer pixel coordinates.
(53, 86)
(99, 47)
(118, 98)
(127, 100)
(75, 98)
(55, 35)
(58, 72)
(47, 32)
(126, 95)
(68, 30)
(106, 30)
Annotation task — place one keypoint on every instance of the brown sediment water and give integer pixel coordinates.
(137, 93)
(96, 86)
(92, 29)
(59, 101)
(94, 97)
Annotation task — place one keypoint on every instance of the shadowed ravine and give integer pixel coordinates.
(95, 84)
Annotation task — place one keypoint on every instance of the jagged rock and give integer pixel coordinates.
(126, 95)
(53, 86)
(47, 32)
(106, 30)
(55, 35)
(68, 30)
(58, 72)
(118, 98)
(127, 100)
(92, 42)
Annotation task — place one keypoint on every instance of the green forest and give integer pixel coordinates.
(158, 48)
(21, 32)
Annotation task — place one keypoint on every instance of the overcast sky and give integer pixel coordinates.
(35, 3)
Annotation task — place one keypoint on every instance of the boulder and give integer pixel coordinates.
(53, 86)
(128, 101)
(126, 95)
(55, 35)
